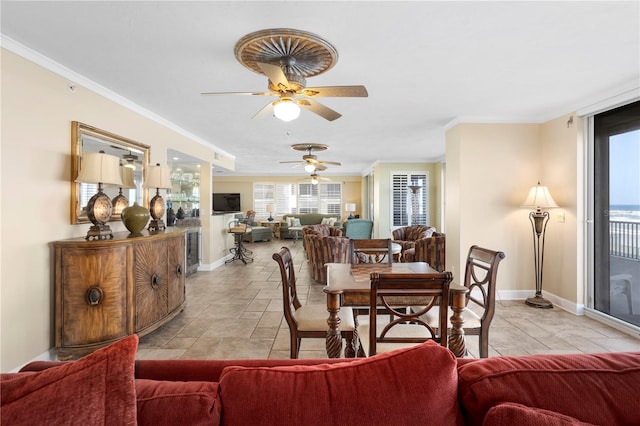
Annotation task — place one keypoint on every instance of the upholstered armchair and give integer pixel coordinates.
(358, 229)
(407, 235)
(324, 230)
(431, 250)
(324, 249)
(258, 233)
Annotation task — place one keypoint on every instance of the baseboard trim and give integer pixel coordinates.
(574, 308)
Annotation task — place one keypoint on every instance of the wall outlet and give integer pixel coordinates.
(560, 216)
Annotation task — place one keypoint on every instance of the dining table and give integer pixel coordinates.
(350, 285)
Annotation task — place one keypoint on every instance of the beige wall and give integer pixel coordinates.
(490, 168)
(562, 150)
(37, 111)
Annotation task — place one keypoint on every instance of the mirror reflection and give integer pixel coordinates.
(183, 200)
(134, 156)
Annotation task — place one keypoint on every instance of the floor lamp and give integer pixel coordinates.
(414, 202)
(539, 197)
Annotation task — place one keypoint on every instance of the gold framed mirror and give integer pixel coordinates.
(132, 154)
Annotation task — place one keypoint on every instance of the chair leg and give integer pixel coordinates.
(294, 343)
(484, 343)
(353, 344)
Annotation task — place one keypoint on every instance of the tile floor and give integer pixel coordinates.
(235, 311)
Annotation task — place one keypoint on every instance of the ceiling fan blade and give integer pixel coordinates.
(264, 112)
(336, 91)
(239, 93)
(275, 74)
(291, 162)
(335, 163)
(316, 107)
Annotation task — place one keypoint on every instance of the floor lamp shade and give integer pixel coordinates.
(103, 169)
(539, 198)
(158, 177)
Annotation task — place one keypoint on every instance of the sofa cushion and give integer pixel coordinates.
(174, 403)
(379, 390)
(593, 388)
(98, 389)
(509, 414)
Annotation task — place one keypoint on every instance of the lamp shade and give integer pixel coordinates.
(539, 197)
(286, 109)
(269, 208)
(98, 167)
(126, 175)
(350, 207)
(414, 188)
(157, 177)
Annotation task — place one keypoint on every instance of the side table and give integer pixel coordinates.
(274, 225)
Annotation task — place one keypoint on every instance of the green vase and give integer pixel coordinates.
(135, 218)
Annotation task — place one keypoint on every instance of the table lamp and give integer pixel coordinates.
(539, 197)
(120, 202)
(157, 177)
(350, 207)
(103, 169)
(269, 208)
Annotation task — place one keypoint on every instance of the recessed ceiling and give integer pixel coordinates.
(424, 64)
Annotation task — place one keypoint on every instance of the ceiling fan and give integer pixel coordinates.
(286, 57)
(315, 178)
(309, 160)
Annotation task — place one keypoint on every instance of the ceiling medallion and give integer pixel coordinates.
(309, 147)
(297, 52)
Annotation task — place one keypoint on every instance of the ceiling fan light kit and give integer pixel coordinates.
(287, 57)
(286, 109)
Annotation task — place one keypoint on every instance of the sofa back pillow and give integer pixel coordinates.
(593, 388)
(417, 385)
(98, 389)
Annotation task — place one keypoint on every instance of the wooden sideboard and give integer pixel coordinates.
(109, 289)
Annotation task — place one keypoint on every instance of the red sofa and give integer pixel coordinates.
(420, 385)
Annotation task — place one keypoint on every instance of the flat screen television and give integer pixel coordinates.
(226, 202)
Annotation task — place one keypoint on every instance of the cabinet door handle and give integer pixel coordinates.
(179, 270)
(155, 282)
(94, 296)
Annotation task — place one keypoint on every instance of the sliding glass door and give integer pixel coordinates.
(616, 214)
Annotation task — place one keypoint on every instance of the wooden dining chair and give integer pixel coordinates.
(480, 275)
(393, 293)
(306, 321)
(371, 251)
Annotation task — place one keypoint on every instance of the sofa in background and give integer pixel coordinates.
(306, 219)
(424, 384)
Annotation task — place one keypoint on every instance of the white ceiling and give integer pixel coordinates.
(425, 65)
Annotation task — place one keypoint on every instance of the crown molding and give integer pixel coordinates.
(80, 80)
